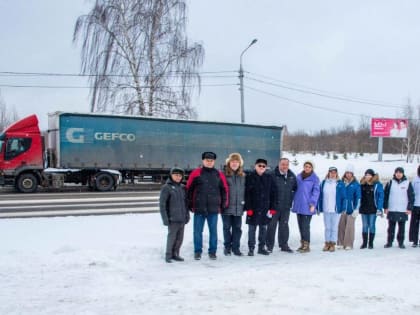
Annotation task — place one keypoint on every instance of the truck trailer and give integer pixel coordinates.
(98, 150)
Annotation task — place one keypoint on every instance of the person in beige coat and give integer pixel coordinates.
(348, 217)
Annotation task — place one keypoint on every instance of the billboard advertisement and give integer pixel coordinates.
(389, 127)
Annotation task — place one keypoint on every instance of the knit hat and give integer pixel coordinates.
(349, 169)
(177, 170)
(262, 161)
(235, 157)
(310, 163)
(370, 172)
(208, 155)
(332, 169)
(399, 170)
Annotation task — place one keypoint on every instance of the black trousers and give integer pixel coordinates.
(280, 219)
(174, 240)
(413, 234)
(232, 231)
(262, 234)
(304, 223)
(391, 231)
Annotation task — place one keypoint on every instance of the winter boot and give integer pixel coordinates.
(364, 244)
(371, 238)
(227, 251)
(305, 247)
(251, 252)
(326, 247)
(177, 258)
(262, 251)
(168, 259)
(301, 246)
(332, 247)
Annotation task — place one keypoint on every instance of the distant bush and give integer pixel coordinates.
(345, 155)
(335, 156)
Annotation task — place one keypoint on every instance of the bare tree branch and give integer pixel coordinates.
(133, 48)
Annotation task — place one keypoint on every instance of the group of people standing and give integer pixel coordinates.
(268, 197)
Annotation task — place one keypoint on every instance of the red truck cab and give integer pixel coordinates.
(21, 154)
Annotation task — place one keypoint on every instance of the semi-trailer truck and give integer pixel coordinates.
(98, 150)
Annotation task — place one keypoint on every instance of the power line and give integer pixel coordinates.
(56, 74)
(305, 104)
(106, 87)
(323, 93)
(341, 98)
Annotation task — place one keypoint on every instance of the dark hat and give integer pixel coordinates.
(370, 172)
(399, 170)
(332, 169)
(176, 170)
(261, 161)
(208, 155)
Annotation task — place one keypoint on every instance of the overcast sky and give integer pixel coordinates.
(360, 49)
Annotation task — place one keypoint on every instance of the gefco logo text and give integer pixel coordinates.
(77, 135)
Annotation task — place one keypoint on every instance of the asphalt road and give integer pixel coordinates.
(71, 203)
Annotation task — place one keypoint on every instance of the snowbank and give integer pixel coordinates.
(114, 265)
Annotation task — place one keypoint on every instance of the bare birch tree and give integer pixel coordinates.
(7, 115)
(138, 57)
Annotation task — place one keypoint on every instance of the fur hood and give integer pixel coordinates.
(374, 179)
(234, 157)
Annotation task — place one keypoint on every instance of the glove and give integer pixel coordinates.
(379, 213)
(355, 214)
(270, 213)
(250, 213)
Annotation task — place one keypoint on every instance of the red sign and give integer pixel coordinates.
(389, 127)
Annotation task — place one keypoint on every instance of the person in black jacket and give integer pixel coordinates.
(286, 186)
(174, 212)
(207, 195)
(260, 198)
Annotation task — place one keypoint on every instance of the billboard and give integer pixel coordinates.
(389, 127)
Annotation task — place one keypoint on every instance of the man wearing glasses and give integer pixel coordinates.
(260, 198)
(207, 191)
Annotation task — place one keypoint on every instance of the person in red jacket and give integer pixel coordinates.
(207, 192)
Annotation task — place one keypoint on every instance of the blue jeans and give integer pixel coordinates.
(331, 220)
(368, 223)
(199, 220)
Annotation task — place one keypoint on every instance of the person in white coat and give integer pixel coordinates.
(398, 203)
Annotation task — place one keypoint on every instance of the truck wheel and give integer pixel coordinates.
(27, 183)
(104, 182)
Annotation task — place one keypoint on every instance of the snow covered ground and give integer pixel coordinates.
(114, 265)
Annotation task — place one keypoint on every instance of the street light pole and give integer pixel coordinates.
(241, 80)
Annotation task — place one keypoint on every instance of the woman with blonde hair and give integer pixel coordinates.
(232, 215)
(348, 217)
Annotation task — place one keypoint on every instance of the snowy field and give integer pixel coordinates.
(114, 265)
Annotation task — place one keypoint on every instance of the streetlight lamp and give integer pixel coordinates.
(241, 80)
